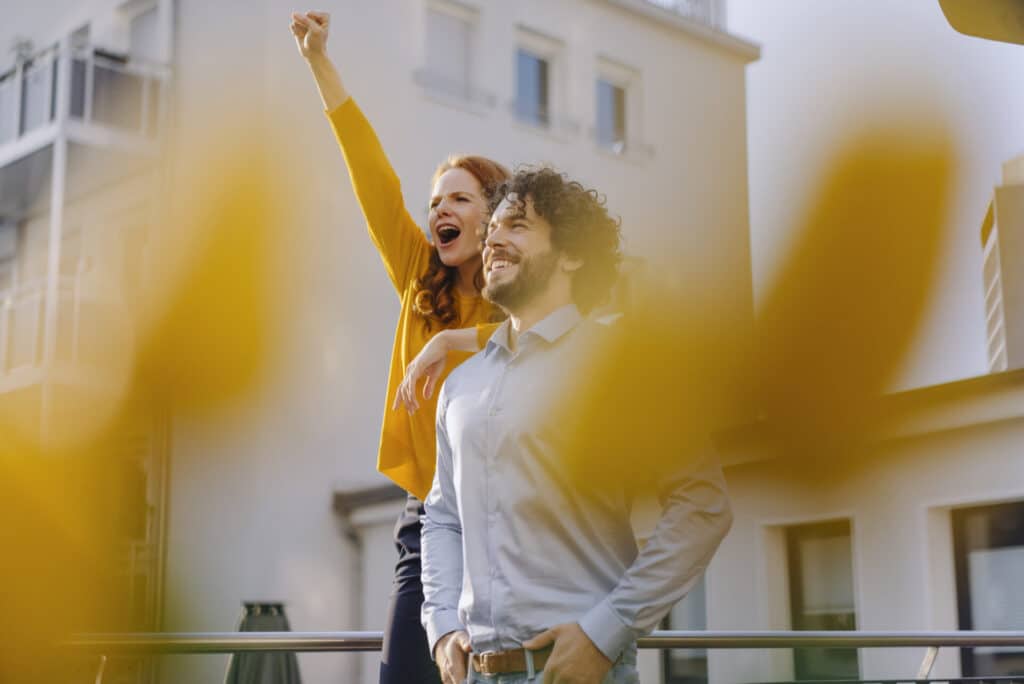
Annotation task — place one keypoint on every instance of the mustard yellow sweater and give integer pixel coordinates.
(407, 451)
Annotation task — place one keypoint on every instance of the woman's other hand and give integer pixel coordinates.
(430, 364)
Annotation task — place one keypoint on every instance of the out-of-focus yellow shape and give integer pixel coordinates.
(1001, 20)
(207, 332)
(210, 321)
(834, 329)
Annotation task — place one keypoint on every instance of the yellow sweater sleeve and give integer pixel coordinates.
(402, 245)
(484, 332)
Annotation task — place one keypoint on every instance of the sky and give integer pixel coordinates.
(825, 66)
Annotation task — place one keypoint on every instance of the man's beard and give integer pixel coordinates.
(531, 278)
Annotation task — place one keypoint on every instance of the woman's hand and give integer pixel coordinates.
(310, 31)
(429, 363)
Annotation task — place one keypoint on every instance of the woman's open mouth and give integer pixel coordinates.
(447, 234)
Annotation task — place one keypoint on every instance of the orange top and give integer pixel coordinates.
(407, 451)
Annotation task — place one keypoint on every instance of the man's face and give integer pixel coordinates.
(518, 257)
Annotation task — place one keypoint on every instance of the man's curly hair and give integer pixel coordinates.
(580, 227)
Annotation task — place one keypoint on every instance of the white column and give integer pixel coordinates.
(57, 186)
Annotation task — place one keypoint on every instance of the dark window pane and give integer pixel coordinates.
(611, 115)
(78, 67)
(821, 596)
(988, 546)
(532, 88)
(687, 665)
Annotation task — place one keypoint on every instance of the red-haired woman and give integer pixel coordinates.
(438, 283)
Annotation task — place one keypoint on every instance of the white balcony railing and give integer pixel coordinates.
(121, 93)
(706, 11)
(88, 327)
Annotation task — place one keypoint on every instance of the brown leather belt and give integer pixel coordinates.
(506, 662)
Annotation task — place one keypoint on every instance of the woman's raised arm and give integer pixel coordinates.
(310, 30)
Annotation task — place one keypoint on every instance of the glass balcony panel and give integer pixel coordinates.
(9, 106)
(78, 85)
(37, 94)
(117, 97)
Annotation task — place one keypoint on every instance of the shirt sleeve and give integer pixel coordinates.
(441, 543)
(403, 247)
(695, 518)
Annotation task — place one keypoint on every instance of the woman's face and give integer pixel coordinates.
(457, 215)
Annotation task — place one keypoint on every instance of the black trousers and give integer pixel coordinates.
(406, 656)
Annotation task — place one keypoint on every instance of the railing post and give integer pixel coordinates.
(19, 96)
(925, 670)
(100, 669)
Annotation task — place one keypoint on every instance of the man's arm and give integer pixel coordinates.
(695, 518)
(441, 555)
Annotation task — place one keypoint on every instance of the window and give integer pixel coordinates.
(821, 596)
(617, 111)
(611, 116)
(688, 665)
(533, 94)
(988, 549)
(540, 81)
(449, 49)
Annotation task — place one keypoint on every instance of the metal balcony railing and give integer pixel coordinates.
(705, 11)
(116, 92)
(104, 645)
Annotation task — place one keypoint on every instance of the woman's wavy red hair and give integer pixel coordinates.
(434, 299)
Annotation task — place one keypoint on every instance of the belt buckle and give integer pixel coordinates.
(482, 662)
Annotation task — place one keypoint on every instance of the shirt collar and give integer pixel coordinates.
(550, 328)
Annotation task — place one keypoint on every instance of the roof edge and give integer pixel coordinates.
(744, 49)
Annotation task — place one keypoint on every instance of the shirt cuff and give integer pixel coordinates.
(439, 623)
(607, 630)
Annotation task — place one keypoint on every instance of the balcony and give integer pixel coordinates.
(107, 99)
(91, 335)
(710, 12)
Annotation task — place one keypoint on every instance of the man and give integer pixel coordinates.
(526, 570)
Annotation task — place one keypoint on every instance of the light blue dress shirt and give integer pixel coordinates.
(511, 546)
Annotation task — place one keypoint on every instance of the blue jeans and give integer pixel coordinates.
(624, 672)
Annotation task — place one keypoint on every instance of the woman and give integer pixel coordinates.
(439, 285)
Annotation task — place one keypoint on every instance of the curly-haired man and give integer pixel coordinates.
(527, 576)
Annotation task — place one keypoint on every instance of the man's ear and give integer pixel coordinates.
(570, 264)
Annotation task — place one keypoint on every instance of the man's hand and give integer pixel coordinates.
(574, 660)
(450, 654)
(310, 31)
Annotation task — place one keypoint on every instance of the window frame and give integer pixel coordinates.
(551, 50)
(961, 549)
(793, 534)
(430, 81)
(666, 654)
